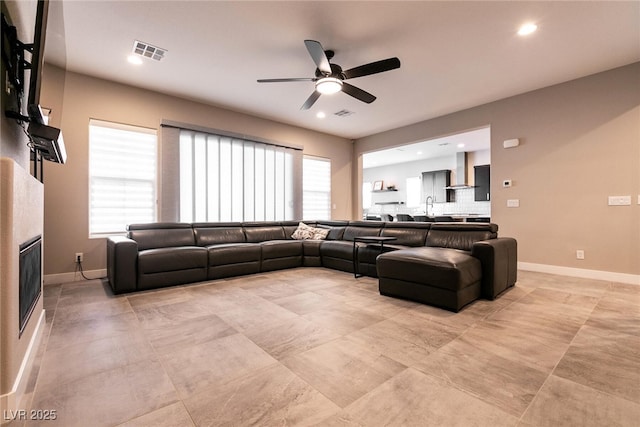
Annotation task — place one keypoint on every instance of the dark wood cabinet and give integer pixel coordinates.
(434, 183)
(482, 175)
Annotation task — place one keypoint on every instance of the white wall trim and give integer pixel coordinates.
(632, 279)
(11, 402)
(55, 279)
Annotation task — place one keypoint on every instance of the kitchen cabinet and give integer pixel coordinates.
(482, 183)
(434, 183)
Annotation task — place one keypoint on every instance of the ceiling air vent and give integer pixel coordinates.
(343, 113)
(148, 51)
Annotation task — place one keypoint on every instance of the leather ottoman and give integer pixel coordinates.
(447, 278)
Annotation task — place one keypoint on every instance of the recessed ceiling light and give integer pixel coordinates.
(460, 145)
(527, 29)
(321, 115)
(134, 59)
(419, 152)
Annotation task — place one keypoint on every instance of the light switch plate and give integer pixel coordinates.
(513, 203)
(619, 200)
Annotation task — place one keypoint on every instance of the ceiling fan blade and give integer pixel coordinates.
(302, 79)
(358, 93)
(319, 57)
(373, 68)
(311, 100)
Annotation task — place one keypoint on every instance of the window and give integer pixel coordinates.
(367, 188)
(414, 190)
(232, 179)
(122, 177)
(316, 188)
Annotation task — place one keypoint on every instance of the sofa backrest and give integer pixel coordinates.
(362, 228)
(256, 232)
(290, 227)
(406, 233)
(460, 235)
(161, 235)
(216, 233)
(336, 228)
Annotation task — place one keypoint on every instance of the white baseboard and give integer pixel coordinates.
(54, 279)
(12, 402)
(632, 279)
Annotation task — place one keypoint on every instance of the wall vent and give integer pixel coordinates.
(148, 51)
(343, 113)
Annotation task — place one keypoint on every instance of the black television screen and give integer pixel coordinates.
(37, 54)
(22, 62)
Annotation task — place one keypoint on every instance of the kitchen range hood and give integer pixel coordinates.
(461, 173)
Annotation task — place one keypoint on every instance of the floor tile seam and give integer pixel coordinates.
(604, 329)
(429, 348)
(182, 322)
(154, 410)
(551, 373)
(298, 352)
(222, 383)
(450, 382)
(598, 391)
(179, 397)
(536, 395)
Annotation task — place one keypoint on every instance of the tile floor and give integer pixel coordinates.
(314, 346)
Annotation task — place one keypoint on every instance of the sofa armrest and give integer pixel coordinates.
(499, 260)
(122, 259)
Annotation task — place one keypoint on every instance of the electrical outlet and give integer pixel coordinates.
(79, 256)
(579, 254)
(513, 203)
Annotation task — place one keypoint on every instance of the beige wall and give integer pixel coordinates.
(580, 143)
(83, 97)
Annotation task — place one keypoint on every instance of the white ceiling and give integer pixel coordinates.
(446, 146)
(454, 55)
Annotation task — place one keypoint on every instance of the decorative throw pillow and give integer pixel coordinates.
(303, 232)
(320, 233)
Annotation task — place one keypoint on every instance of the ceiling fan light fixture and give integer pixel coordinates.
(328, 85)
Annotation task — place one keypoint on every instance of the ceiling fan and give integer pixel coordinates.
(330, 78)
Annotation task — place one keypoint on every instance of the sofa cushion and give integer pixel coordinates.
(281, 249)
(171, 259)
(216, 234)
(291, 226)
(233, 253)
(338, 249)
(407, 234)
(362, 228)
(161, 235)
(256, 233)
(460, 235)
(311, 247)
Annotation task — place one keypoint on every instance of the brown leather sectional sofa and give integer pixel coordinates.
(443, 264)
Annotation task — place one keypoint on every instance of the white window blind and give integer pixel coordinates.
(316, 188)
(233, 179)
(367, 188)
(122, 177)
(414, 191)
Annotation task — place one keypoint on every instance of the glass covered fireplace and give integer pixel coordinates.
(30, 278)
